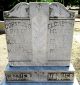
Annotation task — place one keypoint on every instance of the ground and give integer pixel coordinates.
(76, 48)
(75, 51)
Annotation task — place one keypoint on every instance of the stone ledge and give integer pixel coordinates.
(41, 83)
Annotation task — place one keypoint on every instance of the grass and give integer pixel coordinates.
(2, 26)
(76, 58)
(76, 50)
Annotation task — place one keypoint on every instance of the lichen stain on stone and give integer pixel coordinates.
(50, 10)
(8, 41)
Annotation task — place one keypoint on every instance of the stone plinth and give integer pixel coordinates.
(39, 74)
(41, 83)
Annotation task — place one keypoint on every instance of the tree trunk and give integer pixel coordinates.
(79, 11)
(79, 8)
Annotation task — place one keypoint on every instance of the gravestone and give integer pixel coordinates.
(39, 41)
(39, 34)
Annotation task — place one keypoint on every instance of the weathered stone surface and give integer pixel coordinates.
(39, 16)
(41, 83)
(39, 34)
(20, 10)
(39, 74)
(57, 10)
(19, 40)
(59, 39)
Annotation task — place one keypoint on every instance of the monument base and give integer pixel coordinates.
(40, 83)
(39, 73)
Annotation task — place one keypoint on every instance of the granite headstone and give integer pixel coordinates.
(39, 34)
(39, 40)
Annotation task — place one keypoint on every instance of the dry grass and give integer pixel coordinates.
(3, 55)
(2, 26)
(76, 53)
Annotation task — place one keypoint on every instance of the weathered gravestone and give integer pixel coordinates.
(39, 40)
(39, 34)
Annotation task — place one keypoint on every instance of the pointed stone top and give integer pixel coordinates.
(22, 10)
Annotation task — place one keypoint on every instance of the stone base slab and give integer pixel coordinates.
(39, 73)
(41, 83)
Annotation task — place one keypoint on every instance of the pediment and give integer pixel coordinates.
(22, 10)
(58, 10)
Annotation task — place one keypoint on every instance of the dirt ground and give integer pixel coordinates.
(75, 51)
(3, 54)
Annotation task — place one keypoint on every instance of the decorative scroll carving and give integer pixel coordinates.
(20, 10)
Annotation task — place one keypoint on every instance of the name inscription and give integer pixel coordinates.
(39, 76)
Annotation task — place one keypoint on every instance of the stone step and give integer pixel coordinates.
(41, 83)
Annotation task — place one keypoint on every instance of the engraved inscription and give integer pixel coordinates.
(59, 39)
(19, 77)
(19, 40)
(59, 76)
(41, 34)
(40, 76)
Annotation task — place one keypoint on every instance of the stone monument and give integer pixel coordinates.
(39, 41)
